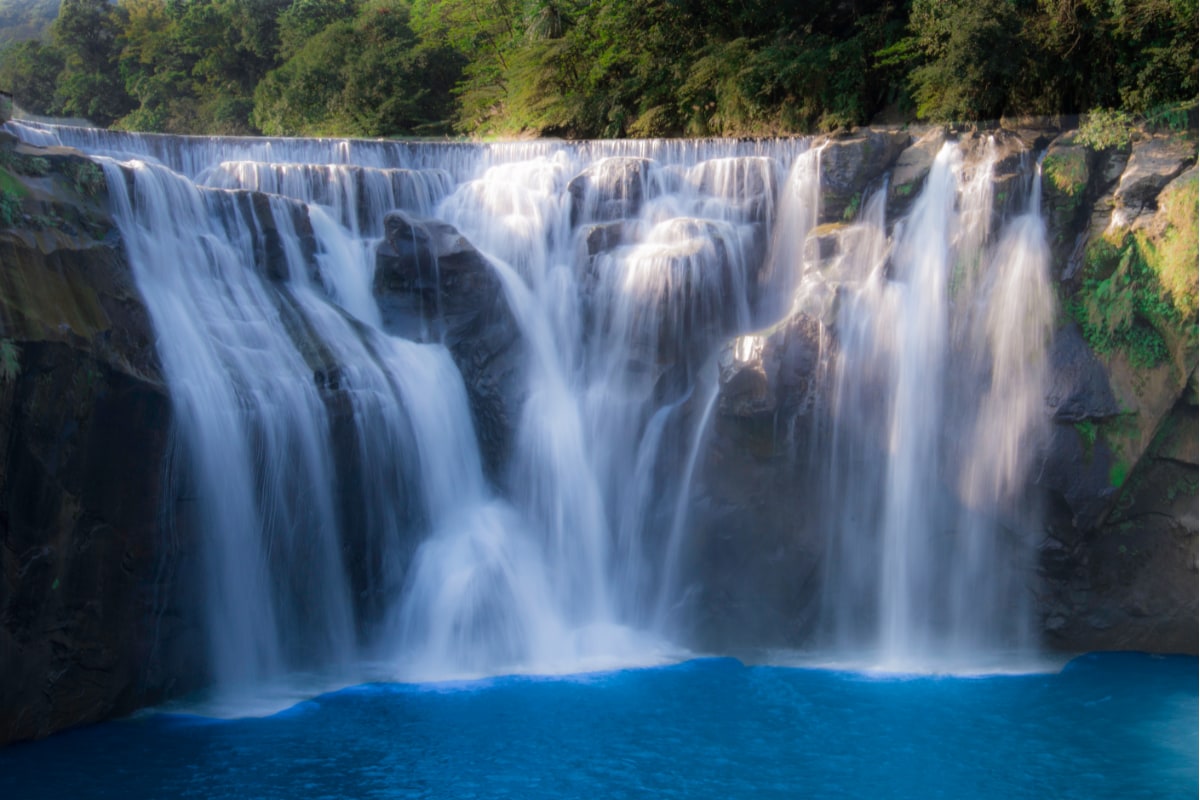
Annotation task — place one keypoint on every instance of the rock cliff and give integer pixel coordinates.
(92, 618)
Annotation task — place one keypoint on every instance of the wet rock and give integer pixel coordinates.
(744, 188)
(94, 615)
(602, 237)
(428, 275)
(270, 244)
(678, 294)
(849, 165)
(1128, 586)
(910, 171)
(1036, 132)
(355, 194)
(1079, 387)
(612, 188)
(1066, 177)
(756, 557)
(824, 243)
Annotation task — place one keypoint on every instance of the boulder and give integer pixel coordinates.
(1155, 161)
(603, 237)
(427, 274)
(910, 171)
(852, 163)
(755, 560)
(679, 293)
(743, 188)
(612, 188)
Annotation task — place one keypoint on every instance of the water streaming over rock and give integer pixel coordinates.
(334, 466)
(936, 413)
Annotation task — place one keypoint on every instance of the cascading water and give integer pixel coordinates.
(935, 418)
(336, 472)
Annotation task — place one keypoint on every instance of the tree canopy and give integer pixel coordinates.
(593, 67)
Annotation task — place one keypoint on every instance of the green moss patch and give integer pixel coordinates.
(10, 185)
(1138, 296)
(1066, 171)
(1087, 434)
(1173, 255)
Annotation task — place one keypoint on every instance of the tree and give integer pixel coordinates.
(30, 71)
(974, 51)
(87, 34)
(369, 76)
(25, 20)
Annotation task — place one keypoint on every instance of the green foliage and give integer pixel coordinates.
(852, 208)
(193, 67)
(10, 207)
(25, 20)
(1174, 254)
(973, 51)
(1102, 129)
(29, 71)
(1068, 173)
(35, 166)
(87, 34)
(601, 67)
(1122, 303)
(304, 19)
(86, 177)
(368, 76)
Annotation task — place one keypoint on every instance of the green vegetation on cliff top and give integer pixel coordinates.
(604, 68)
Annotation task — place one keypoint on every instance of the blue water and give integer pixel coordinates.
(1120, 726)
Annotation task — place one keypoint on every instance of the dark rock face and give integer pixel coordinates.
(93, 618)
(1074, 468)
(849, 165)
(1079, 387)
(910, 171)
(91, 623)
(269, 247)
(1129, 581)
(427, 273)
(754, 554)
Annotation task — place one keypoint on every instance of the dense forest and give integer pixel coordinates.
(592, 68)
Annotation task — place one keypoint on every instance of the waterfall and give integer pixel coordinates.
(332, 468)
(936, 416)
